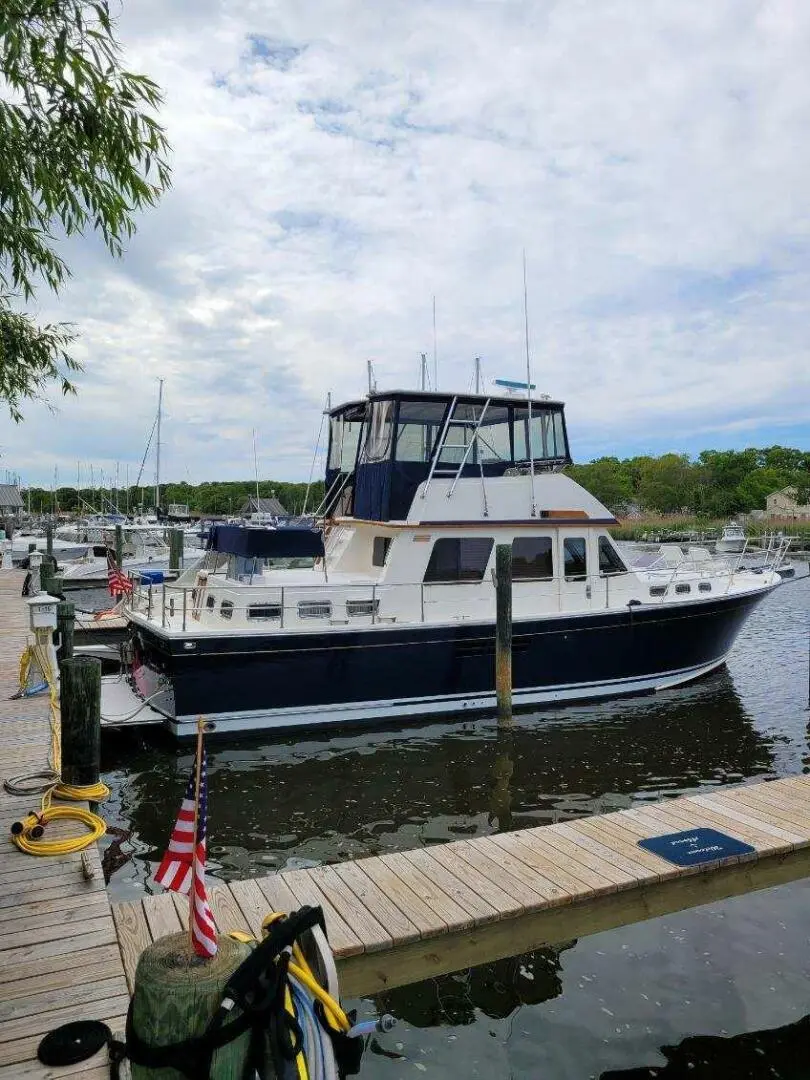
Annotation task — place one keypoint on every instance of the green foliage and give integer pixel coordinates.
(221, 498)
(718, 484)
(79, 149)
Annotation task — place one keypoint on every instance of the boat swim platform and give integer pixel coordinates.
(399, 918)
(59, 956)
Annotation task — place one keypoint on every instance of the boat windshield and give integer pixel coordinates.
(345, 429)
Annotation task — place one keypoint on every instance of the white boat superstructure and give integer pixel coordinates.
(387, 607)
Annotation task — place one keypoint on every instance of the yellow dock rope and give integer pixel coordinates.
(27, 833)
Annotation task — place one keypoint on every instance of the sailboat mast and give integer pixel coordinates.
(157, 450)
(256, 471)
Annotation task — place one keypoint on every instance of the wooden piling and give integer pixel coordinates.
(119, 547)
(503, 631)
(65, 620)
(80, 694)
(49, 538)
(175, 548)
(176, 994)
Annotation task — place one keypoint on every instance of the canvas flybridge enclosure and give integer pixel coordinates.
(382, 449)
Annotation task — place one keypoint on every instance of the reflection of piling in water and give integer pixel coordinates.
(503, 632)
(500, 801)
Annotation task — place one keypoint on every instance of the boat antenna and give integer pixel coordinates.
(256, 472)
(530, 439)
(423, 372)
(478, 374)
(435, 350)
(372, 382)
(157, 446)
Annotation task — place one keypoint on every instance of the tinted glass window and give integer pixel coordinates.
(531, 558)
(610, 561)
(420, 424)
(547, 439)
(459, 559)
(380, 550)
(379, 436)
(576, 563)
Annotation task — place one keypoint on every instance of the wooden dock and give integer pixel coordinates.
(59, 960)
(65, 954)
(399, 918)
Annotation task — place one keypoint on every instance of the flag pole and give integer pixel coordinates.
(192, 890)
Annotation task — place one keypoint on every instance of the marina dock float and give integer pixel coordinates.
(67, 954)
(399, 918)
(59, 957)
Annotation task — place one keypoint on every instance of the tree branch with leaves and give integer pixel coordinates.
(80, 149)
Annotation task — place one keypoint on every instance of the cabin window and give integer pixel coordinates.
(420, 424)
(210, 602)
(705, 586)
(379, 435)
(99, 551)
(459, 559)
(683, 588)
(658, 590)
(575, 556)
(264, 611)
(356, 608)
(610, 561)
(379, 550)
(226, 609)
(532, 558)
(318, 609)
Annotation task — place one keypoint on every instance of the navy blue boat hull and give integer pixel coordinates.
(263, 681)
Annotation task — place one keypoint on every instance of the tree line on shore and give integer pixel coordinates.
(716, 484)
(223, 498)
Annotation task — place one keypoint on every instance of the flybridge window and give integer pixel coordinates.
(459, 559)
(576, 562)
(543, 438)
(532, 559)
(345, 435)
(380, 431)
(610, 561)
(418, 427)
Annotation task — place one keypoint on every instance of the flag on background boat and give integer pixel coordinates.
(182, 868)
(118, 582)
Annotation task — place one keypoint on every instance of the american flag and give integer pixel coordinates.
(118, 582)
(182, 868)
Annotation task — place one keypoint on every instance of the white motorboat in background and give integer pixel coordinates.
(732, 540)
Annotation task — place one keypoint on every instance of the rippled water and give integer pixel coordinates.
(621, 1000)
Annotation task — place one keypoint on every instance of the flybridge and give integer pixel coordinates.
(382, 449)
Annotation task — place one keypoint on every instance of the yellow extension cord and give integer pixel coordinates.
(29, 831)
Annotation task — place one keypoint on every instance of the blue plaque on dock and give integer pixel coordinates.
(695, 846)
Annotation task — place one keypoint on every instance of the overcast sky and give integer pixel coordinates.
(337, 163)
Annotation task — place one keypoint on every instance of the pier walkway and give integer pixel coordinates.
(59, 960)
(395, 919)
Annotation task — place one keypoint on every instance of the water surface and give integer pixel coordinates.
(607, 1002)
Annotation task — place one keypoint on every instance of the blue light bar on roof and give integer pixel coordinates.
(510, 384)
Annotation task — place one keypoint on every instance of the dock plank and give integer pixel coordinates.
(133, 935)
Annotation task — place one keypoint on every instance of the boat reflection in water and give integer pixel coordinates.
(777, 1054)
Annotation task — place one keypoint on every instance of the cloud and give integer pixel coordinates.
(338, 165)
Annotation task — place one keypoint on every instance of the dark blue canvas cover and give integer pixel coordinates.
(288, 543)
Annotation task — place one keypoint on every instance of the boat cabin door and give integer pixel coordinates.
(573, 569)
